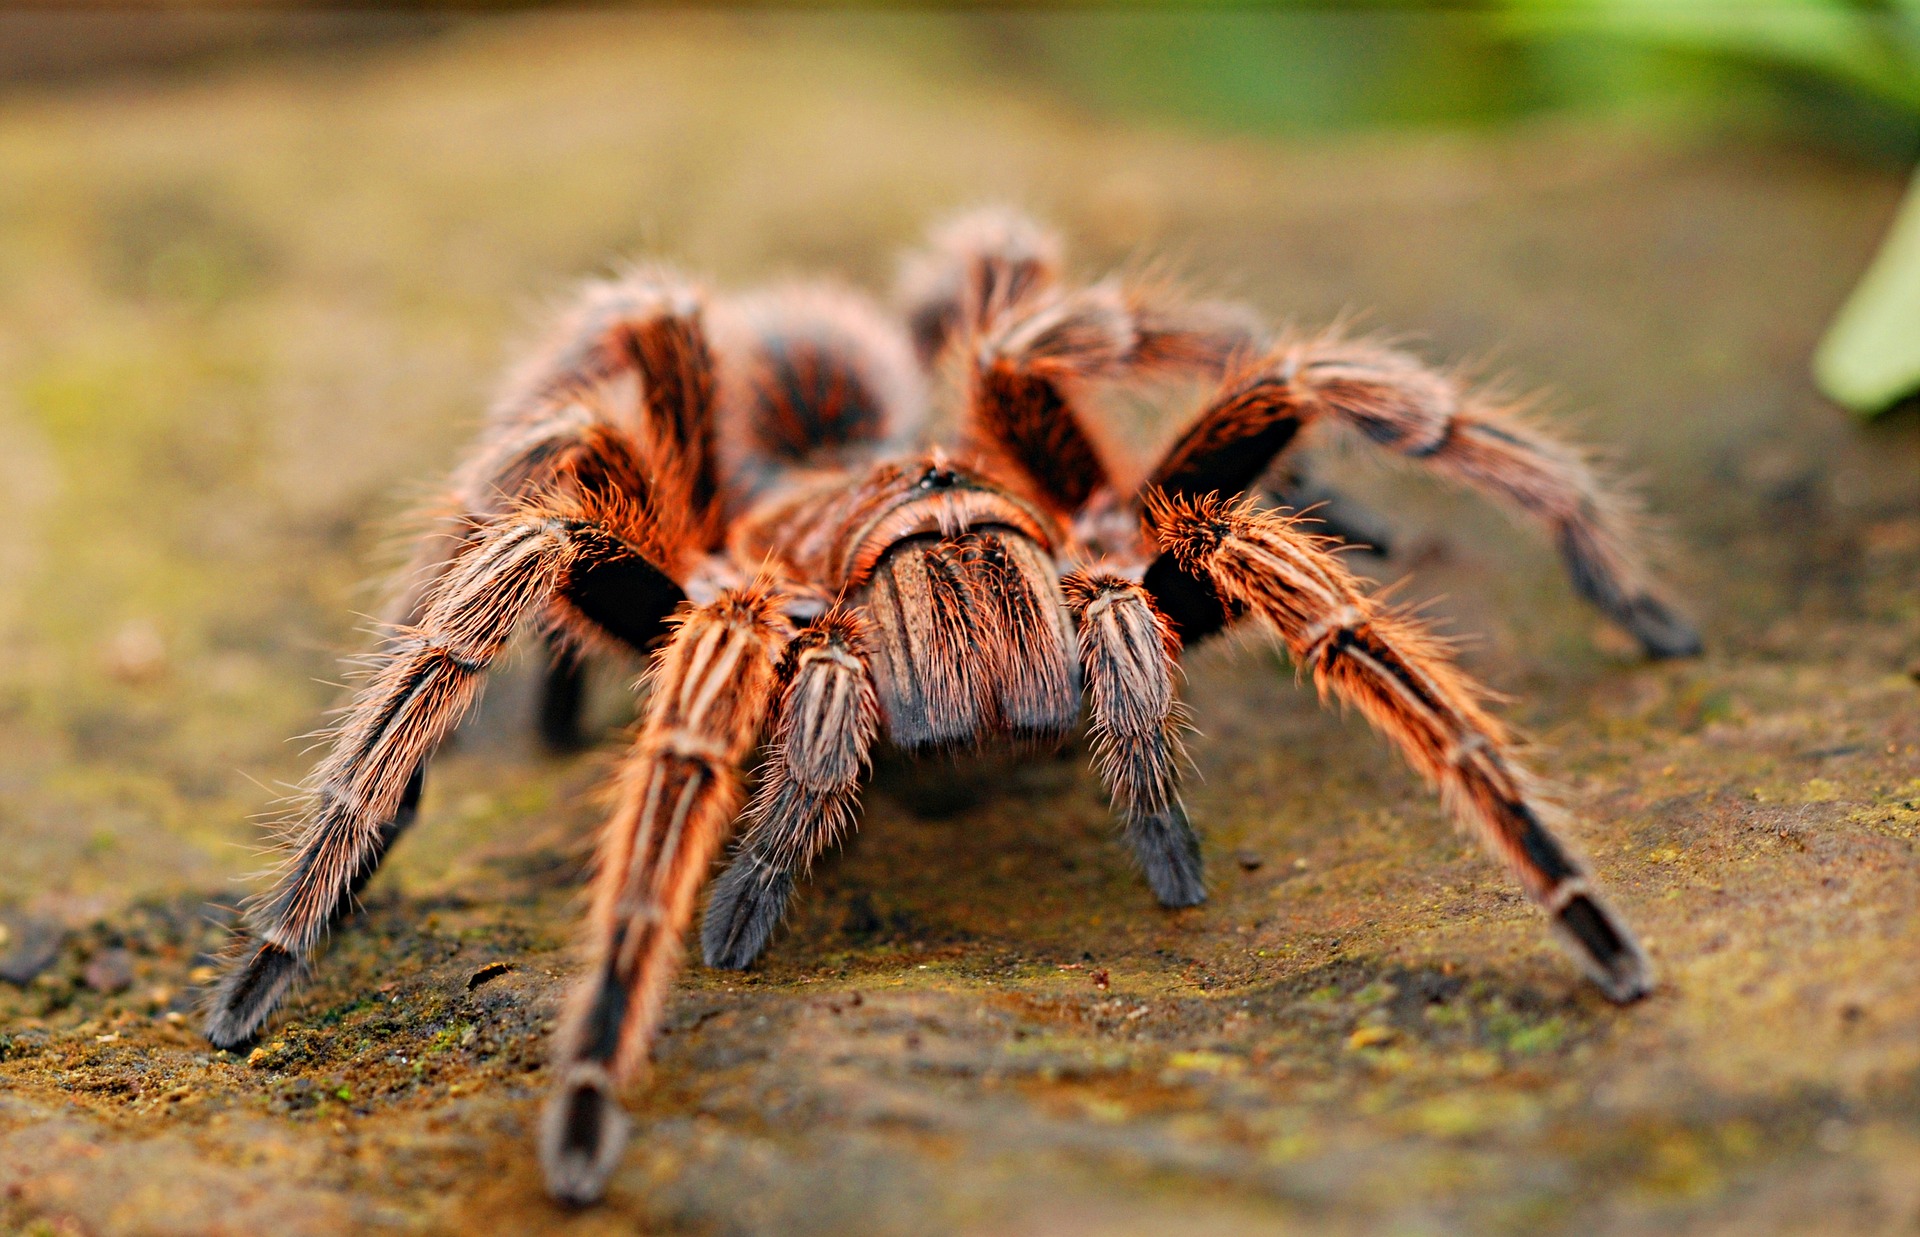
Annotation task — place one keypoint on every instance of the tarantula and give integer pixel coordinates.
(744, 481)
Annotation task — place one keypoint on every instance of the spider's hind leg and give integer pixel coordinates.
(1398, 403)
(1293, 486)
(1394, 401)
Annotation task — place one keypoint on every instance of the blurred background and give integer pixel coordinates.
(260, 267)
(1837, 72)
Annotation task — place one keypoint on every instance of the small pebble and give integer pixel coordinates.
(109, 971)
(136, 653)
(1248, 860)
(33, 945)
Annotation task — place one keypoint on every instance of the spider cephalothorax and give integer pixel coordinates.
(743, 483)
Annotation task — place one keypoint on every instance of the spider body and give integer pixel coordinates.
(744, 486)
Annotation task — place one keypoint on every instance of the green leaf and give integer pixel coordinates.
(1870, 359)
(1873, 48)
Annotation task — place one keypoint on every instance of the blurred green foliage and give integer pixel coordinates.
(1274, 70)
(1843, 74)
(1844, 71)
(1868, 46)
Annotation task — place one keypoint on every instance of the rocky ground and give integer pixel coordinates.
(246, 317)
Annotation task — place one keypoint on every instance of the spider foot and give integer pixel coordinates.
(1661, 632)
(249, 992)
(582, 1133)
(1169, 854)
(747, 904)
(1605, 948)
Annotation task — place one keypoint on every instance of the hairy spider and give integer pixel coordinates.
(745, 479)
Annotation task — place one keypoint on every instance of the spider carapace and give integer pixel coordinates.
(743, 485)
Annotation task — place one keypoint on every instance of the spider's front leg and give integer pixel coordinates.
(1401, 680)
(366, 789)
(678, 790)
(828, 716)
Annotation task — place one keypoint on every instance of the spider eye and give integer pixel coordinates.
(937, 478)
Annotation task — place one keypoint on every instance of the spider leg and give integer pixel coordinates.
(1391, 669)
(1396, 402)
(402, 820)
(1290, 484)
(975, 268)
(1175, 338)
(991, 262)
(635, 350)
(989, 286)
(618, 401)
(1027, 375)
(616, 590)
(810, 374)
(564, 429)
(678, 790)
(828, 716)
(563, 688)
(1128, 653)
(364, 793)
(1031, 369)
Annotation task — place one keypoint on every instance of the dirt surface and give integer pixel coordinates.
(245, 319)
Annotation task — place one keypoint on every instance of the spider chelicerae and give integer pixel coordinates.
(744, 482)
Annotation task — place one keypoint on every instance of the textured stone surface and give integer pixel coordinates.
(242, 318)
